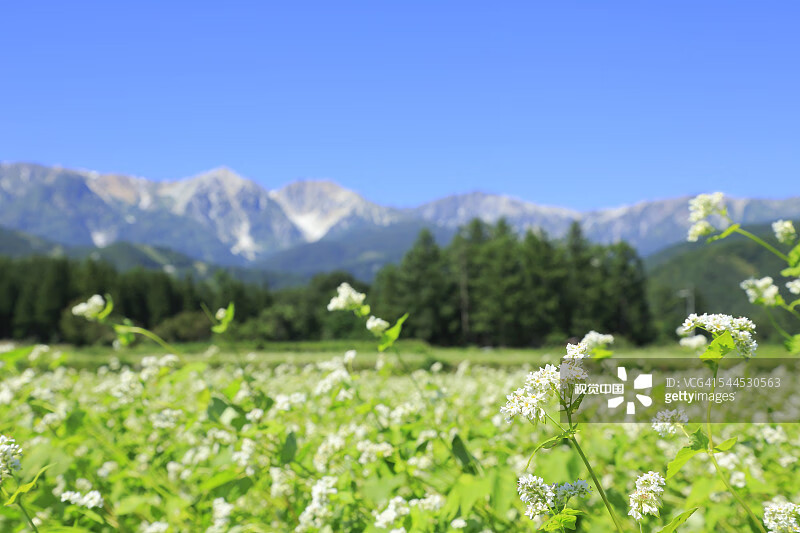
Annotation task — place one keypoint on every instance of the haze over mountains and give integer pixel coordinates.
(307, 226)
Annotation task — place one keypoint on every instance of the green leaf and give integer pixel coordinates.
(564, 520)
(699, 444)
(719, 347)
(678, 520)
(725, 233)
(26, 488)
(390, 335)
(461, 453)
(791, 272)
(793, 344)
(601, 353)
(726, 445)
(289, 448)
(225, 321)
(794, 256)
(107, 309)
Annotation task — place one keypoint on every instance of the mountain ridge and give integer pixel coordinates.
(222, 217)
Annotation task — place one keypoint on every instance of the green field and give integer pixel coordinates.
(296, 439)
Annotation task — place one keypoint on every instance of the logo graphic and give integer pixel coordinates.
(642, 381)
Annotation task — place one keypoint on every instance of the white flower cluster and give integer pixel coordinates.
(704, 205)
(646, 499)
(541, 498)
(318, 510)
(571, 372)
(10, 454)
(284, 402)
(377, 325)
(793, 286)
(667, 422)
(90, 500)
(784, 231)
(694, 342)
(700, 208)
(594, 340)
(782, 517)
(761, 291)
(220, 314)
(699, 229)
(590, 342)
(742, 329)
(371, 451)
(529, 401)
(396, 508)
(346, 299)
(90, 308)
(431, 502)
(281, 481)
(326, 384)
(155, 527)
(221, 512)
(166, 418)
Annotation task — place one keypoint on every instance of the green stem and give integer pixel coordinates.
(763, 243)
(720, 473)
(25, 512)
(776, 325)
(597, 484)
(149, 334)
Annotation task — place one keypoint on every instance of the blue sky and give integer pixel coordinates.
(579, 104)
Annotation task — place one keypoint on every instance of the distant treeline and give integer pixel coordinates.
(491, 287)
(488, 287)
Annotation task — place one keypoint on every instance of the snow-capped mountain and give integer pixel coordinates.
(223, 218)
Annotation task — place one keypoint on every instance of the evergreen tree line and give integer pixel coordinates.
(488, 287)
(38, 293)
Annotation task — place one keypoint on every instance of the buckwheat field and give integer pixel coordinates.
(174, 444)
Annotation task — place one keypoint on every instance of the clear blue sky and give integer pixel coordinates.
(579, 104)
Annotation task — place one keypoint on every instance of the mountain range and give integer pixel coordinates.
(219, 217)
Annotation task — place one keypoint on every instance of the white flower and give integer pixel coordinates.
(220, 313)
(377, 325)
(594, 340)
(667, 422)
(784, 231)
(541, 498)
(349, 356)
(794, 286)
(700, 229)
(761, 291)
(536, 494)
(397, 507)
(90, 308)
(91, 500)
(782, 517)
(571, 372)
(458, 523)
(695, 342)
(738, 479)
(431, 502)
(646, 499)
(10, 454)
(742, 329)
(155, 527)
(527, 403)
(705, 205)
(347, 299)
(577, 351)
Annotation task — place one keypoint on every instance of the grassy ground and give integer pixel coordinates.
(415, 354)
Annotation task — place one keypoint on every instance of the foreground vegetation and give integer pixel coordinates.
(201, 442)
